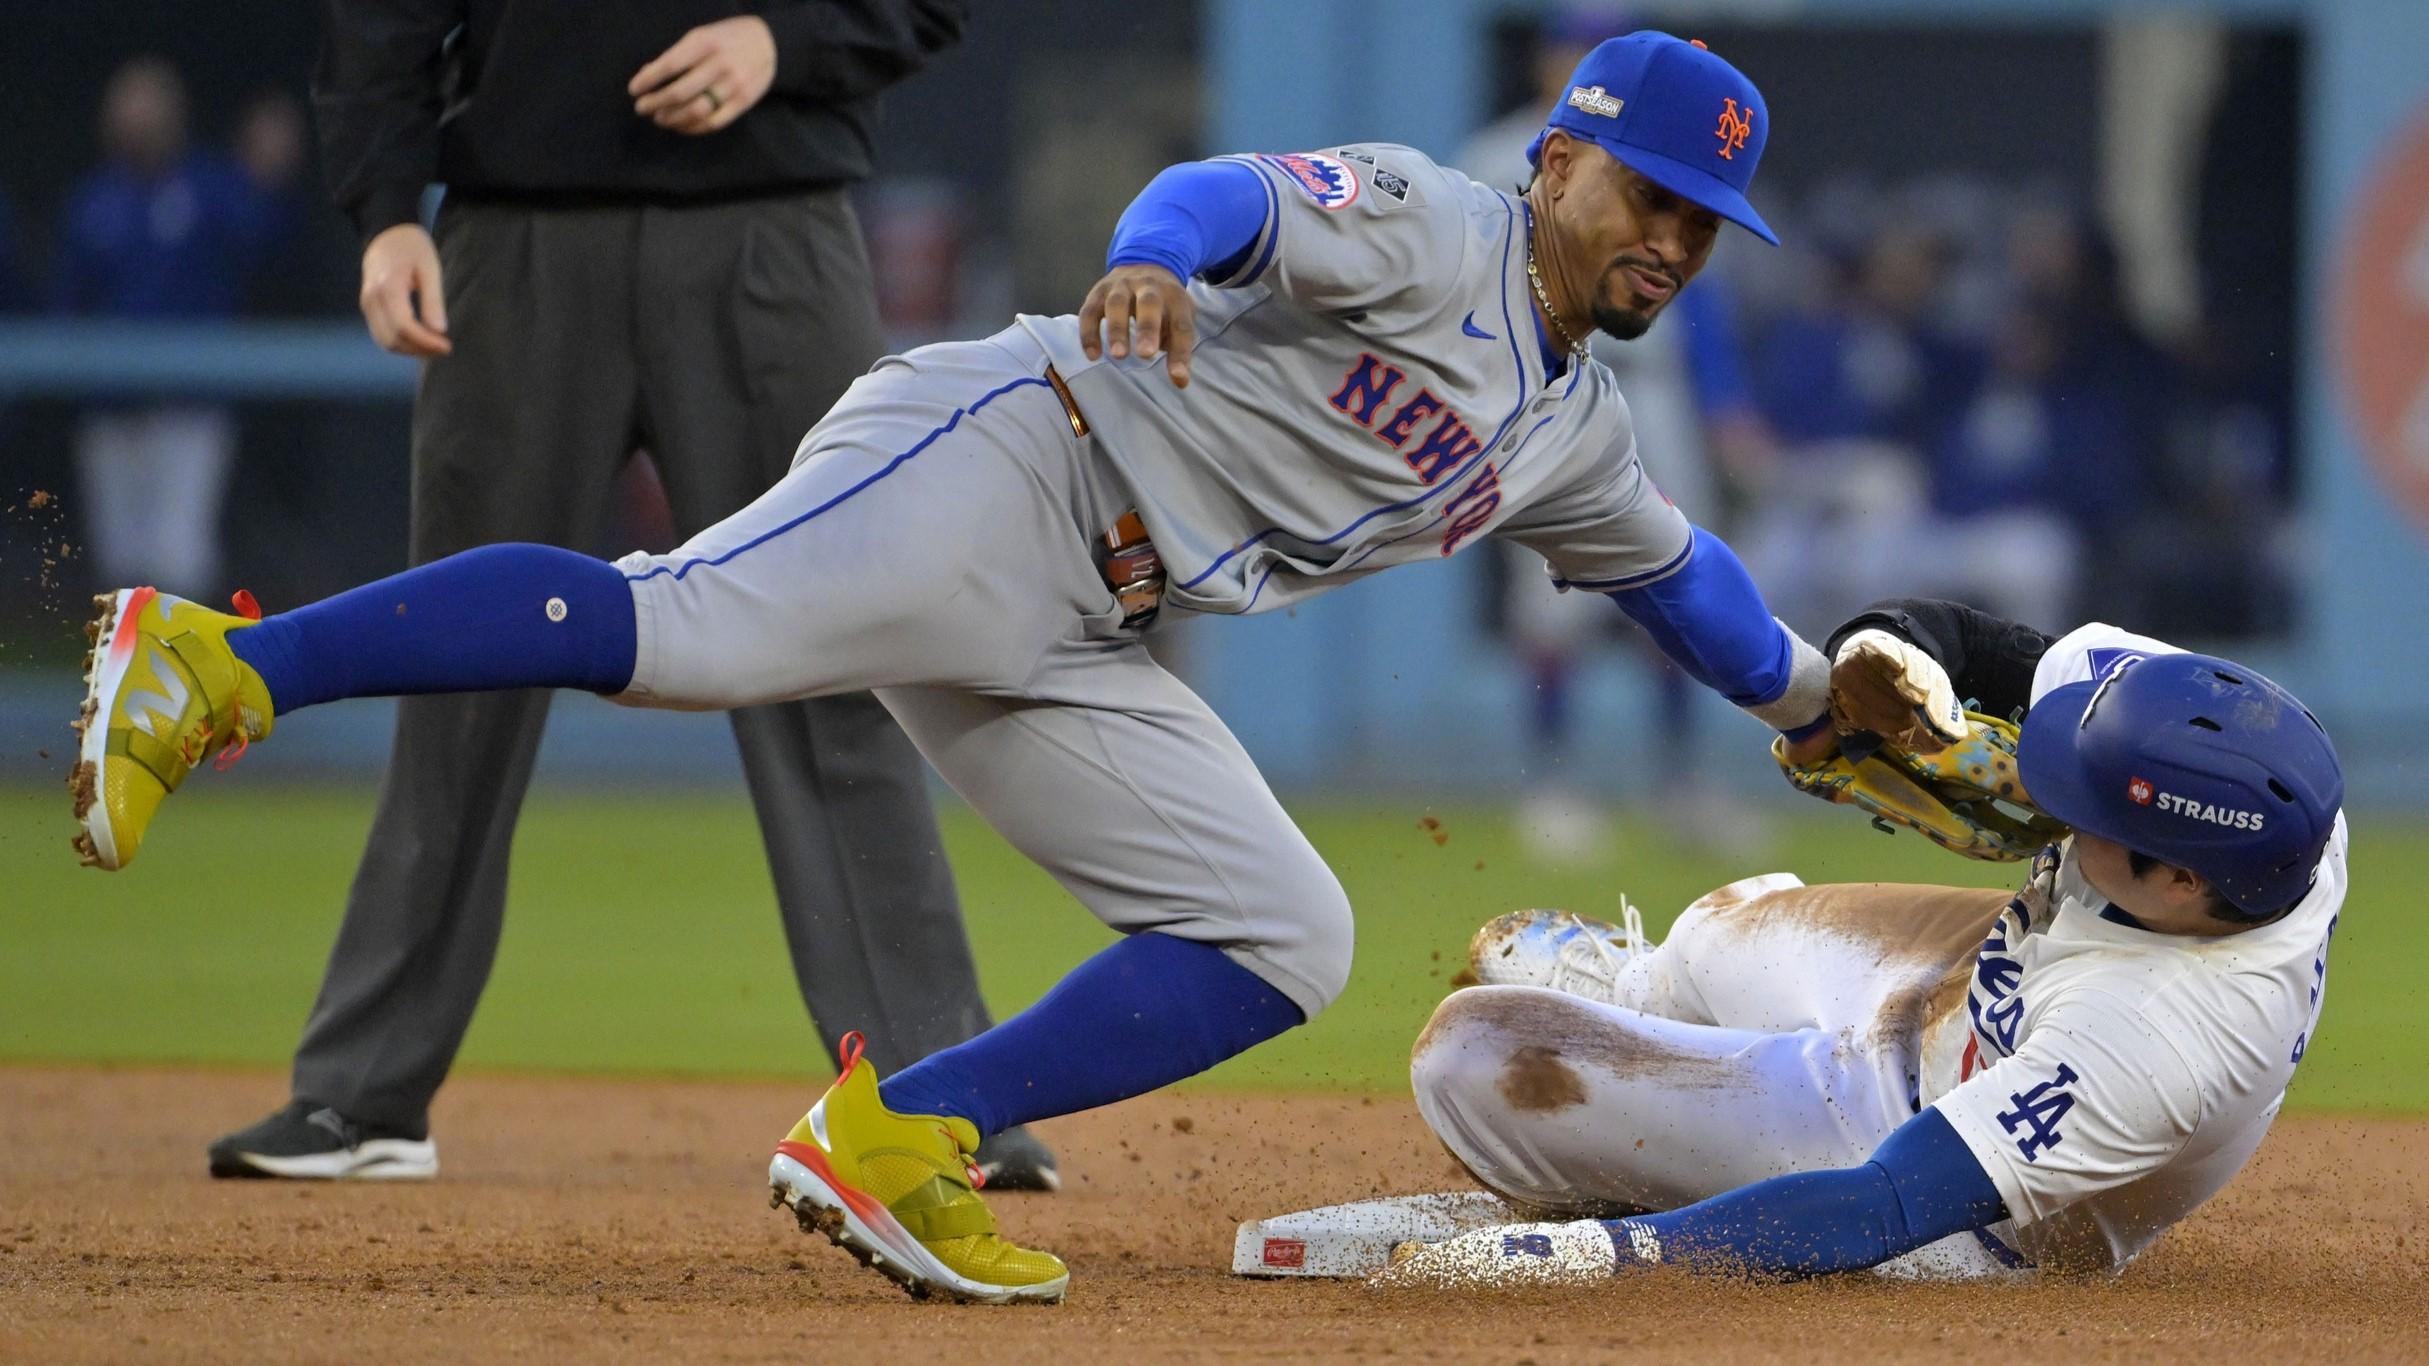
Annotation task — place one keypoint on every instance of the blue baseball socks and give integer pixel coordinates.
(502, 616)
(1137, 1017)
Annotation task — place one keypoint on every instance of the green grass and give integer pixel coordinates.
(642, 935)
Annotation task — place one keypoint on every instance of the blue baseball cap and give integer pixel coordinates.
(1674, 113)
(2195, 761)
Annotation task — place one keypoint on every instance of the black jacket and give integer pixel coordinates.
(525, 99)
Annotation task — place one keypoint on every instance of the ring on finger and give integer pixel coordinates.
(715, 100)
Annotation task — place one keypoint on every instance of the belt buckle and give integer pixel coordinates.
(1133, 570)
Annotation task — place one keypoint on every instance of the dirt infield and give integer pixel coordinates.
(626, 1221)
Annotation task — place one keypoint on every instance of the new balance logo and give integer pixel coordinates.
(150, 710)
(1526, 1245)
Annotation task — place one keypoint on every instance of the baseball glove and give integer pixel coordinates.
(1965, 797)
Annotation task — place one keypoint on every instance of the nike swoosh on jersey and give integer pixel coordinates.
(1470, 327)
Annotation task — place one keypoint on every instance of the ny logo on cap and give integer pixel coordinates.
(1733, 132)
(1595, 100)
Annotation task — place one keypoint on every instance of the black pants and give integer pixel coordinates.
(714, 336)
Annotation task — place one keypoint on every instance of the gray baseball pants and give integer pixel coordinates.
(713, 336)
(934, 542)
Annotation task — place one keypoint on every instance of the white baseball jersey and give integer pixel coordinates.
(2111, 1079)
(1368, 390)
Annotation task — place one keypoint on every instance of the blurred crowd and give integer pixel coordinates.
(161, 229)
(1963, 403)
(1937, 386)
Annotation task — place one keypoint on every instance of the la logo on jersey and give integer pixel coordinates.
(1320, 177)
(2038, 1111)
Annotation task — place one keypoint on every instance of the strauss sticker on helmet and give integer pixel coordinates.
(2233, 818)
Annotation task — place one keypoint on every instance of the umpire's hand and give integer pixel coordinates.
(403, 302)
(709, 78)
(1153, 300)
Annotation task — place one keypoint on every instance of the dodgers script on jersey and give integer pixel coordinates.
(2110, 1079)
(1368, 390)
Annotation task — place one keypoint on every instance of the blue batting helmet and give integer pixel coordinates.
(2194, 761)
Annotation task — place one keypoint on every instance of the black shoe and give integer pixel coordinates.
(1018, 1160)
(306, 1141)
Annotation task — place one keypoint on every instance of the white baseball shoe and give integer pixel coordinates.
(1558, 949)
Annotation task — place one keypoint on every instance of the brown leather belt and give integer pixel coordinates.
(1125, 556)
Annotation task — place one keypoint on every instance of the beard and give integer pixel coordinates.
(1624, 313)
(1627, 324)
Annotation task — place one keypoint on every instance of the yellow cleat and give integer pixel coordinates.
(900, 1193)
(162, 691)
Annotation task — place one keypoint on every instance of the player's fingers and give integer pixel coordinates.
(1180, 339)
(388, 307)
(407, 335)
(1149, 317)
(683, 90)
(735, 107)
(686, 52)
(414, 336)
(413, 339)
(377, 320)
(1117, 321)
(1092, 322)
(430, 294)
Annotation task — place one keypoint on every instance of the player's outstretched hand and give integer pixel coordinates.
(1149, 301)
(1891, 687)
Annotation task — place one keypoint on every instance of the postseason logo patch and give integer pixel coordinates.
(1595, 100)
(1321, 178)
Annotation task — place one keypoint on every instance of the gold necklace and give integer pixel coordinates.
(1576, 348)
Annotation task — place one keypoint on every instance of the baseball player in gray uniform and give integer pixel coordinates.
(1300, 370)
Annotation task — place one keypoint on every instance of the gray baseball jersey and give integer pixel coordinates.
(1368, 390)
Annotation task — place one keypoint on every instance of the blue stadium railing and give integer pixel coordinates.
(84, 358)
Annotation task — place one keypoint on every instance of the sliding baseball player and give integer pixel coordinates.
(1805, 1080)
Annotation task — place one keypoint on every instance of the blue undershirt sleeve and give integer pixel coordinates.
(1710, 618)
(1921, 1185)
(1197, 218)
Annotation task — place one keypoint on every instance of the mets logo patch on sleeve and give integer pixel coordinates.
(1321, 178)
